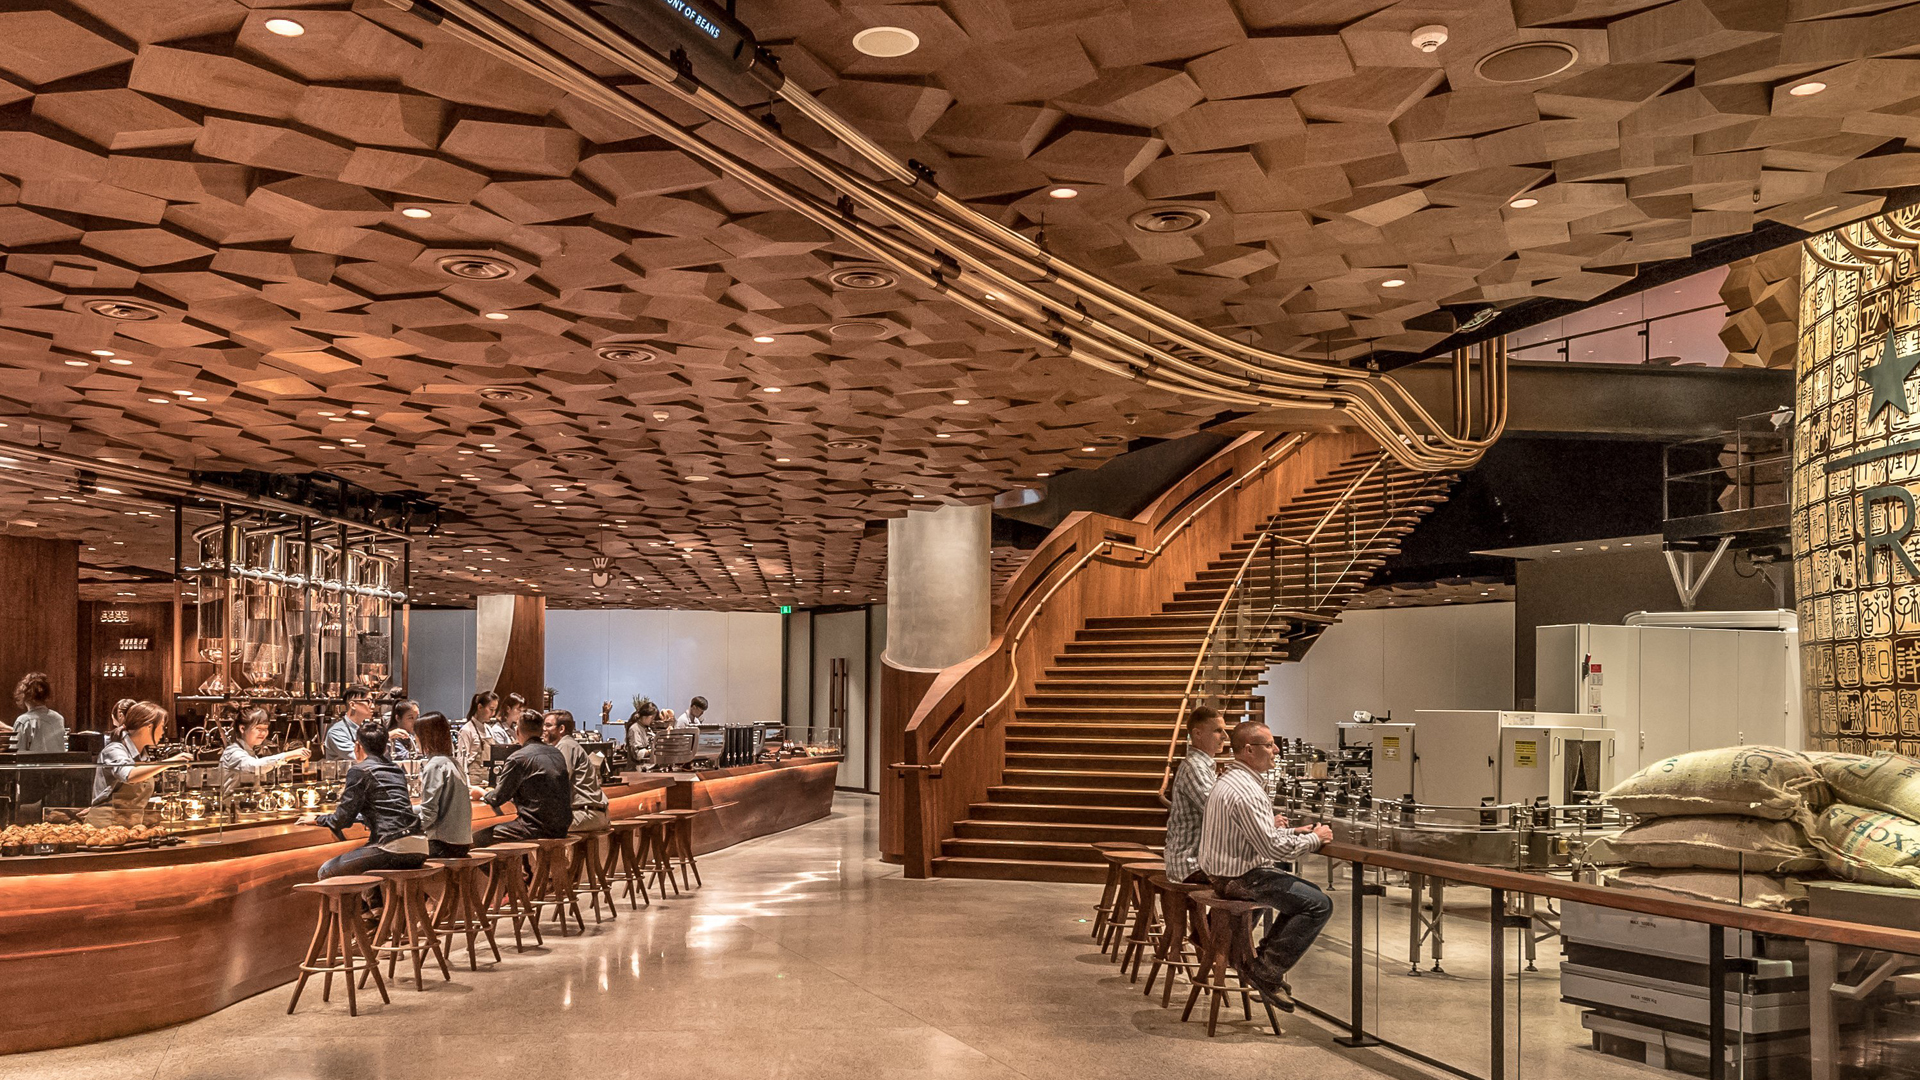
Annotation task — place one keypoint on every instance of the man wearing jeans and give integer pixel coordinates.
(375, 795)
(1240, 840)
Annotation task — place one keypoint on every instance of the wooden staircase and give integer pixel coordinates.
(1086, 750)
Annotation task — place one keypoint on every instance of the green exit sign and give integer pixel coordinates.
(786, 609)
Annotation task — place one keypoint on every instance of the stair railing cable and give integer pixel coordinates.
(1286, 449)
(1237, 593)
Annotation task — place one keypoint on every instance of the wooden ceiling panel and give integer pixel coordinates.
(263, 196)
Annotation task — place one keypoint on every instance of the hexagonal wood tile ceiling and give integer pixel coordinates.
(372, 250)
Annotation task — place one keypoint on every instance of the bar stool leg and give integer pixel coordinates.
(321, 931)
(663, 860)
(523, 899)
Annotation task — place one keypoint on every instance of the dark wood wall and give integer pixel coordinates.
(105, 641)
(40, 580)
(525, 670)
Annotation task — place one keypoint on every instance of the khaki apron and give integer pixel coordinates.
(127, 806)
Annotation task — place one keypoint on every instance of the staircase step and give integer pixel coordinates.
(1022, 850)
(1090, 728)
(1059, 796)
(1029, 776)
(1119, 763)
(1165, 716)
(1019, 870)
(1070, 814)
(1128, 622)
(1085, 744)
(1049, 832)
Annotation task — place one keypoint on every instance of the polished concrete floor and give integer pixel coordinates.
(802, 957)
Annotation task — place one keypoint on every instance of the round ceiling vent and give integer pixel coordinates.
(572, 455)
(879, 486)
(504, 393)
(858, 330)
(863, 277)
(627, 354)
(846, 444)
(476, 267)
(1527, 61)
(1169, 219)
(124, 310)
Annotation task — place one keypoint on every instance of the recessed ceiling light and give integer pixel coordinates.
(157, 400)
(762, 339)
(1393, 283)
(183, 393)
(75, 363)
(1808, 88)
(782, 460)
(1088, 449)
(416, 212)
(496, 316)
(919, 496)
(941, 435)
(886, 42)
(962, 401)
(1524, 203)
(697, 479)
(121, 361)
(769, 389)
(285, 27)
(1064, 193)
(1043, 474)
(101, 352)
(196, 397)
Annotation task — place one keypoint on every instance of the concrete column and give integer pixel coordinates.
(939, 586)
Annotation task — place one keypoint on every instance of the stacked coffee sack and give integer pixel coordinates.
(1744, 825)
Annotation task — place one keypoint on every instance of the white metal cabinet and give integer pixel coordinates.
(1665, 692)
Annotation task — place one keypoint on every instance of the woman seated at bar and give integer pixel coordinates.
(38, 730)
(445, 809)
(471, 744)
(536, 782)
(122, 786)
(240, 759)
(401, 743)
(375, 795)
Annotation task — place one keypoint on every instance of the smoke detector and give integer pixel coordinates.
(1429, 38)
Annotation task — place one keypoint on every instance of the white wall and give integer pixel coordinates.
(843, 635)
(731, 658)
(440, 660)
(1395, 660)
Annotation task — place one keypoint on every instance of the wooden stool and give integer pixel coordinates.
(1104, 908)
(1122, 893)
(406, 926)
(1226, 931)
(339, 939)
(463, 907)
(680, 843)
(507, 893)
(1146, 913)
(590, 871)
(553, 881)
(624, 860)
(1176, 907)
(656, 852)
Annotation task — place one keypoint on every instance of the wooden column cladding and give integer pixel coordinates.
(525, 670)
(41, 582)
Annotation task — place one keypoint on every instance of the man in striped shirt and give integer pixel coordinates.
(1187, 805)
(1240, 840)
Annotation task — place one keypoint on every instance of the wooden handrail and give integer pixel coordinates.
(1010, 643)
(1775, 923)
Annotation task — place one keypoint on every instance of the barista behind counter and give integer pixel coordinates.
(122, 786)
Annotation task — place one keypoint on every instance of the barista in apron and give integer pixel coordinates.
(121, 787)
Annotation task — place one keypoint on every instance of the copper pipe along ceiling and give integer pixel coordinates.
(990, 270)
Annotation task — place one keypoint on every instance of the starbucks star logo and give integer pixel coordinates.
(1888, 378)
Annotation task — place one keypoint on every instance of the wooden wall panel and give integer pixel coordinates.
(40, 580)
(149, 671)
(900, 694)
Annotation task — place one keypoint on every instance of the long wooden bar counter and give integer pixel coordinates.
(95, 946)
